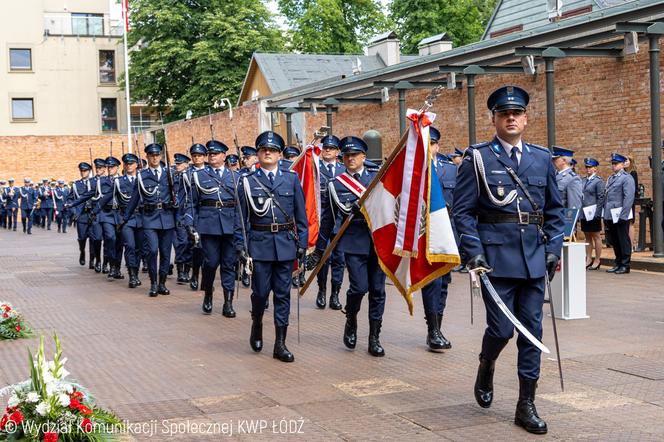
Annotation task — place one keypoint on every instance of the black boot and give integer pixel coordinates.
(334, 297)
(162, 290)
(180, 269)
(375, 349)
(132, 277)
(207, 301)
(193, 281)
(526, 413)
(280, 350)
(145, 269)
(446, 343)
(434, 338)
(245, 279)
(137, 281)
(91, 247)
(104, 266)
(111, 271)
(170, 269)
(320, 298)
(118, 270)
(350, 330)
(98, 256)
(295, 280)
(81, 249)
(185, 272)
(303, 280)
(153, 286)
(484, 382)
(256, 337)
(228, 310)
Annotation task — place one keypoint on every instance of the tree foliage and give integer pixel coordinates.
(333, 26)
(189, 53)
(463, 20)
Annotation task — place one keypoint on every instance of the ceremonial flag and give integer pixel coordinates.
(306, 167)
(408, 218)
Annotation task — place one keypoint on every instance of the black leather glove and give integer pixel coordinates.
(356, 208)
(314, 259)
(551, 265)
(191, 232)
(301, 253)
(243, 256)
(478, 261)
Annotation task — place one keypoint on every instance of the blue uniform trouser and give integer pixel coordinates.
(87, 230)
(434, 295)
(182, 246)
(131, 239)
(365, 275)
(336, 261)
(26, 217)
(272, 276)
(3, 217)
(158, 241)
(219, 251)
(12, 217)
(108, 230)
(524, 298)
(48, 214)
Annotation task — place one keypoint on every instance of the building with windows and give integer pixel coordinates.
(60, 68)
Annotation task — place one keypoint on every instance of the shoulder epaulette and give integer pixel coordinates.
(480, 145)
(539, 147)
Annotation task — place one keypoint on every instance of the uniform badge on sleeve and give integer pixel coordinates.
(501, 191)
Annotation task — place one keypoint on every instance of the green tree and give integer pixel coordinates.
(463, 20)
(333, 26)
(189, 53)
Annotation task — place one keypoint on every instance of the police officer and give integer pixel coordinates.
(84, 216)
(28, 203)
(131, 233)
(249, 159)
(214, 208)
(47, 204)
(593, 195)
(289, 154)
(569, 183)
(198, 154)
(12, 196)
(330, 168)
(275, 220)
(620, 188)
(456, 157)
(515, 227)
(434, 294)
(364, 272)
(60, 195)
(3, 204)
(100, 172)
(158, 217)
(233, 162)
(181, 242)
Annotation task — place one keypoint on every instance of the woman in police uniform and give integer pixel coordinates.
(593, 195)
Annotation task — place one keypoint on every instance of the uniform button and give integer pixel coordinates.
(522, 230)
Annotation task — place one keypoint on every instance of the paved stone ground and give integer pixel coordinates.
(154, 359)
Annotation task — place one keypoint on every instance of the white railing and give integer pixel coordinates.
(82, 25)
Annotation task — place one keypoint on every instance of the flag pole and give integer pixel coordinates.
(125, 16)
(428, 102)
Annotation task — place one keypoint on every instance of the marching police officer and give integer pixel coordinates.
(131, 232)
(569, 183)
(456, 157)
(214, 208)
(12, 196)
(102, 264)
(233, 162)
(158, 217)
(364, 272)
(198, 154)
(620, 188)
(181, 242)
(28, 203)
(61, 194)
(289, 154)
(591, 220)
(275, 221)
(249, 159)
(3, 204)
(83, 215)
(330, 168)
(47, 204)
(509, 215)
(434, 294)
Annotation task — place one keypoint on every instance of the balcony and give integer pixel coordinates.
(81, 25)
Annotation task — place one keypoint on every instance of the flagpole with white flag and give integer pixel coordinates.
(125, 17)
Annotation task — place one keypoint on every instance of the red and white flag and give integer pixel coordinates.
(125, 14)
(306, 167)
(410, 224)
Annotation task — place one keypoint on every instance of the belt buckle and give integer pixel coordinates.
(218, 204)
(159, 206)
(274, 227)
(524, 218)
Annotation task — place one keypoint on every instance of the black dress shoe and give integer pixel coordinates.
(622, 270)
(613, 269)
(594, 267)
(207, 301)
(350, 330)
(446, 343)
(484, 382)
(526, 413)
(375, 349)
(280, 350)
(162, 290)
(256, 337)
(320, 297)
(434, 338)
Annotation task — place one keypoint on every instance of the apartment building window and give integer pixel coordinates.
(109, 114)
(23, 109)
(107, 67)
(20, 59)
(87, 24)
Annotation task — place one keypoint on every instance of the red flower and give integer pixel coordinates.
(85, 411)
(74, 404)
(86, 425)
(3, 421)
(6, 315)
(5, 307)
(16, 417)
(50, 437)
(18, 328)
(76, 395)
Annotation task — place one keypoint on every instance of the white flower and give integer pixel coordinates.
(63, 399)
(43, 408)
(13, 401)
(69, 389)
(48, 377)
(63, 373)
(33, 397)
(51, 388)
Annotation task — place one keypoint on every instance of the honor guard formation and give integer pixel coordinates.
(242, 215)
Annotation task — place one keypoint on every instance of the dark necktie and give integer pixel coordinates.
(270, 176)
(356, 176)
(514, 158)
(330, 168)
(218, 172)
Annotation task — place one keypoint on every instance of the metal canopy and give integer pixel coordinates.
(477, 70)
(342, 100)
(567, 52)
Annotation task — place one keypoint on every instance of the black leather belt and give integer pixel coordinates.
(523, 218)
(107, 208)
(274, 227)
(217, 204)
(158, 206)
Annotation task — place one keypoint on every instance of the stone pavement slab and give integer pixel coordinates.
(175, 374)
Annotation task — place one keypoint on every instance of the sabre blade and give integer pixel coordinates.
(501, 305)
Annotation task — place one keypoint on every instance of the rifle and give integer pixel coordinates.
(169, 172)
(92, 163)
(210, 120)
(122, 148)
(111, 151)
(138, 151)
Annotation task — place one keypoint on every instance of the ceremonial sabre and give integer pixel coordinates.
(555, 333)
(506, 311)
